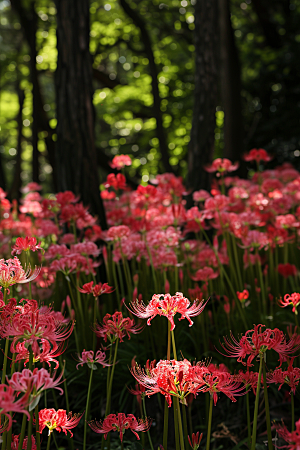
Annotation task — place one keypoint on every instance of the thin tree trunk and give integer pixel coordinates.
(16, 185)
(230, 74)
(35, 88)
(201, 145)
(75, 149)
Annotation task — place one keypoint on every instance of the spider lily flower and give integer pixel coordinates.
(87, 357)
(12, 272)
(38, 381)
(196, 440)
(257, 155)
(120, 161)
(120, 423)
(293, 299)
(96, 290)
(117, 327)
(25, 244)
(222, 165)
(291, 377)
(15, 442)
(170, 378)
(257, 341)
(58, 420)
(8, 402)
(167, 305)
(291, 437)
(42, 352)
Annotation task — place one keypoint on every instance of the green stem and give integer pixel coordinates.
(37, 427)
(248, 419)
(48, 443)
(256, 403)
(209, 423)
(293, 411)
(179, 424)
(166, 410)
(173, 345)
(145, 416)
(270, 444)
(177, 442)
(5, 361)
(87, 409)
(185, 427)
(55, 442)
(29, 434)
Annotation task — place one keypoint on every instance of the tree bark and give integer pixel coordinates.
(15, 192)
(201, 145)
(75, 148)
(230, 74)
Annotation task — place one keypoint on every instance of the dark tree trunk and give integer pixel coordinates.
(206, 93)
(75, 150)
(35, 89)
(15, 192)
(230, 74)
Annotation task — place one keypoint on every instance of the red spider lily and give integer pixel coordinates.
(87, 357)
(167, 305)
(287, 270)
(242, 296)
(39, 380)
(120, 161)
(257, 341)
(42, 352)
(96, 290)
(12, 272)
(196, 440)
(139, 392)
(222, 165)
(118, 232)
(170, 378)
(15, 442)
(117, 327)
(25, 244)
(116, 181)
(293, 299)
(30, 324)
(214, 380)
(248, 378)
(58, 420)
(257, 155)
(291, 437)
(291, 377)
(120, 423)
(8, 402)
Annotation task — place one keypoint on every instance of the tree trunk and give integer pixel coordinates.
(201, 145)
(230, 74)
(75, 151)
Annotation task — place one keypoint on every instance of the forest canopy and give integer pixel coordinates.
(138, 47)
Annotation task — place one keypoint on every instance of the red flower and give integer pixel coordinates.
(243, 295)
(222, 165)
(287, 270)
(96, 290)
(293, 299)
(258, 341)
(116, 181)
(39, 380)
(292, 438)
(117, 327)
(257, 155)
(167, 305)
(25, 244)
(120, 423)
(15, 443)
(170, 378)
(58, 420)
(291, 377)
(196, 439)
(9, 404)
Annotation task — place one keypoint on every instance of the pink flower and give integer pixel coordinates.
(287, 270)
(12, 272)
(291, 377)
(8, 402)
(87, 357)
(207, 273)
(222, 165)
(196, 440)
(120, 423)
(58, 420)
(15, 443)
(167, 305)
(39, 380)
(120, 161)
(118, 232)
(25, 244)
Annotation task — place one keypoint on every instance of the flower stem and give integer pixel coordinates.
(270, 444)
(185, 428)
(293, 411)
(87, 408)
(48, 443)
(256, 404)
(37, 427)
(148, 432)
(5, 361)
(166, 410)
(248, 419)
(209, 422)
(173, 345)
